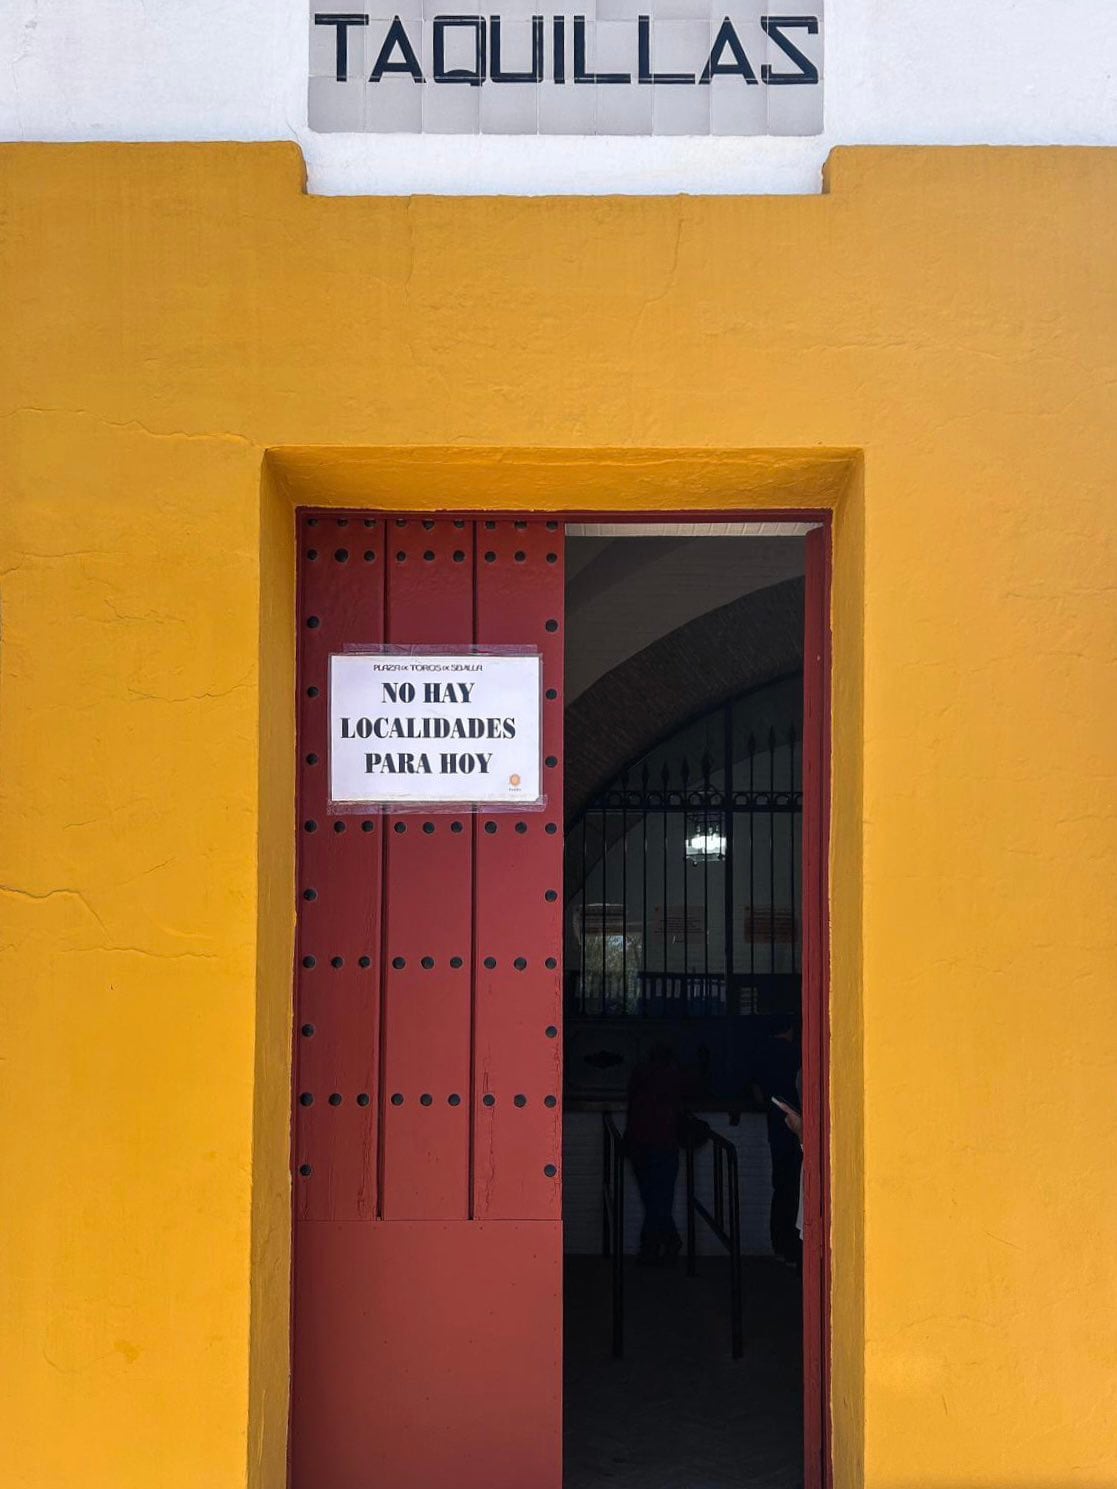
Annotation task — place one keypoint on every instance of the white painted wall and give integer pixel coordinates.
(1023, 72)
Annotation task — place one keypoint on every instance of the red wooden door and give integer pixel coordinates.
(428, 1053)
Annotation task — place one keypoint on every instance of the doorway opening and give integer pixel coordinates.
(676, 926)
(683, 984)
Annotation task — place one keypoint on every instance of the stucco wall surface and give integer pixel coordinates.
(929, 350)
(897, 72)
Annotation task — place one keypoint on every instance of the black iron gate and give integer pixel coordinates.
(683, 875)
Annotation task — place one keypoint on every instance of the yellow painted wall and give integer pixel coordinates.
(927, 349)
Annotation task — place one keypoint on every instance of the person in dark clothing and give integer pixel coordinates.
(655, 1108)
(777, 1076)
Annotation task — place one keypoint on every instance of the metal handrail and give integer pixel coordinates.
(612, 1220)
(727, 1208)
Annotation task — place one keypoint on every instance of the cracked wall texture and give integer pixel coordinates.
(173, 312)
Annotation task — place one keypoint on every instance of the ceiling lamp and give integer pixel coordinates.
(705, 837)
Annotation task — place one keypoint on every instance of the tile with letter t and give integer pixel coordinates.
(339, 44)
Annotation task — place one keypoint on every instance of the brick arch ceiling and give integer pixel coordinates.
(727, 651)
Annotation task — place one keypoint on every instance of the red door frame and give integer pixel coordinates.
(817, 661)
(817, 693)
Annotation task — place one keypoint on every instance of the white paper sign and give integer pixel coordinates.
(434, 728)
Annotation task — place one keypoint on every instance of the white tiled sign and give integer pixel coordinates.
(427, 728)
(613, 67)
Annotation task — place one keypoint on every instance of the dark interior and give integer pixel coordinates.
(682, 975)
